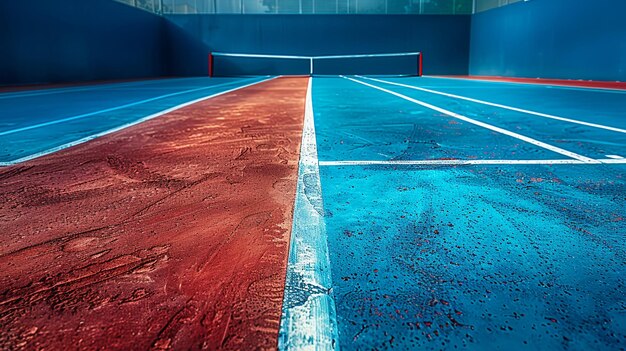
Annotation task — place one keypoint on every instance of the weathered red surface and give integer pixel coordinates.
(170, 234)
(564, 82)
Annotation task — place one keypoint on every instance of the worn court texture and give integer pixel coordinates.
(169, 234)
(428, 213)
(447, 255)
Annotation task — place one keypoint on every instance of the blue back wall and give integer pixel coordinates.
(444, 40)
(551, 39)
(44, 41)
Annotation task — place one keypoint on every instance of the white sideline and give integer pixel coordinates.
(463, 162)
(481, 124)
(97, 135)
(536, 84)
(308, 319)
(540, 114)
(80, 88)
(89, 114)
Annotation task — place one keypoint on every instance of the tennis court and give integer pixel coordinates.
(209, 180)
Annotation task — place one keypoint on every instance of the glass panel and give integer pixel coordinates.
(438, 7)
(463, 8)
(290, 6)
(315, 6)
(259, 6)
(326, 6)
(402, 6)
(484, 5)
(229, 6)
(370, 6)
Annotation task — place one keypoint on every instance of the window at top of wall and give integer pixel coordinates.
(309, 6)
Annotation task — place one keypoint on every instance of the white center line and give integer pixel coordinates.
(540, 114)
(308, 319)
(481, 124)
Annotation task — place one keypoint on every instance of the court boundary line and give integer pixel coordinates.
(86, 87)
(124, 126)
(506, 107)
(116, 108)
(558, 86)
(308, 320)
(481, 124)
(463, 162)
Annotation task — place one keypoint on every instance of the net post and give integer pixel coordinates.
(210, 64)
(420, 64)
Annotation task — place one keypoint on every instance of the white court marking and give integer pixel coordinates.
(308, 320)
(536, 84)
(464, 162)
(516, 109)
(616, 157)
(95, 86)
(89, 114)
(97, 135)
(481, 124)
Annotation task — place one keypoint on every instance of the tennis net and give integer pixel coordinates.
(233, 64)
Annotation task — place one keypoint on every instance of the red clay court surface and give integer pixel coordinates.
(170, 234)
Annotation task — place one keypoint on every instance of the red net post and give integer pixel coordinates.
(210, 64)
(420, 64)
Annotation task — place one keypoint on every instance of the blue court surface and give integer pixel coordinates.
(36, 122)
(456, 224)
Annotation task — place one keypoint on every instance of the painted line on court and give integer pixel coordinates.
(109, 131)
(537, 84)
(464, 162)
(308, 319)
(614, 161)
(481, 124)
(516, 109)
(85, 115)
(89, 87)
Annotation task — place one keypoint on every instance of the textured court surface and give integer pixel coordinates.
(442, 256)
(456, 214)
(39, 121)
(169, 234)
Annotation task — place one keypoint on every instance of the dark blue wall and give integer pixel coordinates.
(444, 40)
(45, 41)
(551, 39)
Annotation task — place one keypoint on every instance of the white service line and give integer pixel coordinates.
(89, 114)
(97, 135)
(462, 162)
(618, 161)
(481, 124)
(308, 319)
(540, 114)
